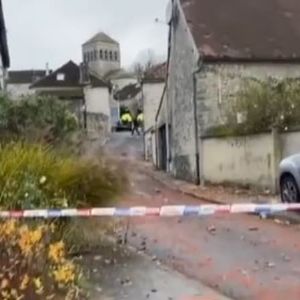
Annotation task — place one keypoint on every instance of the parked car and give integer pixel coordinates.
(289, 179)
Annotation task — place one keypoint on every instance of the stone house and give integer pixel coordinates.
(86, 95)
(63, 83)
(18, 82)
(4, 52)
(213, 46)
(153, 84)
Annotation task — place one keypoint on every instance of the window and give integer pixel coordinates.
(110, 55)
(105, 55)
(116, 56)
(60, 76)
(101, 54)
(85, 57)
(95, 54)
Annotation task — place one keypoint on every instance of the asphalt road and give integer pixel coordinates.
(241, 257)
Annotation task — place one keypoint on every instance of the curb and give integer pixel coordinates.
(284, 217)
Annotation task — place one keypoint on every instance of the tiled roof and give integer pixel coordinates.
(157, 73)
(97, 82)
(101, 37)
(25, 76)
(245, 29)
(66, 76)
(128, 92)
(118, 74)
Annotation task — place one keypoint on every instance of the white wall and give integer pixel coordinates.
(19, 90)
(290, 143)
(97, 100)
(152, 93)
(244, 160)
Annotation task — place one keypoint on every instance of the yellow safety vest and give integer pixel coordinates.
(126, 118)
(140, 117)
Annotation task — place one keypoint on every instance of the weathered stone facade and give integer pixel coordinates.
(218, 83)
(180, 93)
(98, 126)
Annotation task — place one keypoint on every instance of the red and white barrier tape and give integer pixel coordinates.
(164, 211)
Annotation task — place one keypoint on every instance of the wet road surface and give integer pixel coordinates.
(122, 274)
(241, 257)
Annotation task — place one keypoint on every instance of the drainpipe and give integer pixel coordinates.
(198, 148)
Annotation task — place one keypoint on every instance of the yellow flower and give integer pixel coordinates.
(57, 252)
(29, 239)
(36, 235)
(4, 284)
(8, 227)
(65, 274)
(24, 283)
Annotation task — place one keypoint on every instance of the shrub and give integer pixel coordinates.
(35, 176)
(34, 266)
(265, 105)
(36, 118)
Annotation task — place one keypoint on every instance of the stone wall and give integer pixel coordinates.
(248, 160)
(242, 160)
(217, 83)
(183, 62)
(98, 126)
(152, 93)
(19, 90)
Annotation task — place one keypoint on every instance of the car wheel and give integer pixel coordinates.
(289, 190)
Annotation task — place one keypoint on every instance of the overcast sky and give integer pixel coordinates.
(41, 31)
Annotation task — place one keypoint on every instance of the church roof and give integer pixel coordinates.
(101, 37)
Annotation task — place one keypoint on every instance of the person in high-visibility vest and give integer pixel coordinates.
(140, 118)
(126, 118)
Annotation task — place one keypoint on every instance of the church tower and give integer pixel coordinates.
(102, 54)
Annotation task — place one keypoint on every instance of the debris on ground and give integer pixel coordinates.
(211, 229)
(126, 282)
(270, 264)
(253, 228)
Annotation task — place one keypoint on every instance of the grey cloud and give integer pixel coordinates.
(41, 31)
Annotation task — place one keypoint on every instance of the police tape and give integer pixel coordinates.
(164, 211)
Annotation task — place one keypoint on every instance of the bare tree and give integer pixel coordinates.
(145, 60)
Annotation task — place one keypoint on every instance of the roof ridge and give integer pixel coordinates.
(101, 36)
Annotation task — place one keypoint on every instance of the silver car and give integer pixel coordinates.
(289, 179)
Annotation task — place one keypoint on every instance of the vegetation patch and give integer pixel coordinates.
(33, 265)
(261, 106)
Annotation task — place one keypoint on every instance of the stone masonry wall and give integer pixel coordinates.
(218, 83)
(180, 93)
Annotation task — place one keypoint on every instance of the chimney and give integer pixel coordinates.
(47, 69)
